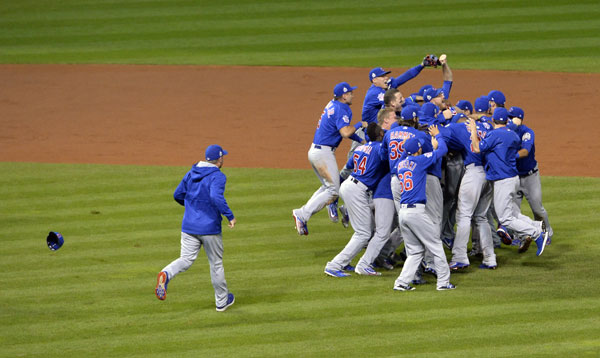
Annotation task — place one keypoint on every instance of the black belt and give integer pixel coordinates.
(410, 206)
(532, 171)
(319, 147)
(354, 180)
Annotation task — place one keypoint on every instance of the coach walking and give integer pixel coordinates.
(201, 191)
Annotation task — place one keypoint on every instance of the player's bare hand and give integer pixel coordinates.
(517, 121)
(434, 143)
(365, 124)
(443, 59)
(232, 223)
(433, 130)
(471, 125)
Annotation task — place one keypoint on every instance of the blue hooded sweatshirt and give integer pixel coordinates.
(201, 191)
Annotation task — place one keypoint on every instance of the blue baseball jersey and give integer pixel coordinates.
(336, 115)
(383, 190)
(499, 152)
(528, 163)
(393, 146)
(368, 164)
(458, 137)
(412, 173)
(374, 98)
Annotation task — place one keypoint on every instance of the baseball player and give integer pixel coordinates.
(418, 230)
(499, 151)
(530, 184)
(333, 125)
(368, 167)
(474, 197)
(201, 193)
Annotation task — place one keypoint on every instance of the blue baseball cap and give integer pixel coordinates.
(412, 145)
(500, 115)
(457, 116)
(516, 112)
(423, 89)
(465, 105)
(431, 93)
(377, 72)
(341, 88)
(482, 104)
(54, 240)
(214, 152)
(497, 97)
(428, 110)
(409, 101)
(409, 112)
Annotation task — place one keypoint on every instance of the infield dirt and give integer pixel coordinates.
(264, 116)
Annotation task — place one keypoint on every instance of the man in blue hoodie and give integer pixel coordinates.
(201, 192)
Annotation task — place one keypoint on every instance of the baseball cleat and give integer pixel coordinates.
(448, 242)
(525, 244)
(345, 217)
(349, 268)
(488, 267)
(332, 209)
(428, 269)
(336, 273)
(300, 225)
(449, 286)
(504, 235)
(161, 285)
(230, 301)
(368, 271)
(400, 287)
(455, 266)
(541, 243)
(383, 263)
(419, 281)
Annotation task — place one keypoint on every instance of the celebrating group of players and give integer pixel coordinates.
(417, 168)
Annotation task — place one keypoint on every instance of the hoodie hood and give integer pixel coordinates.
(202, 169)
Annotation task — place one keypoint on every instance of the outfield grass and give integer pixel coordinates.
(94, 297)
(553, 35)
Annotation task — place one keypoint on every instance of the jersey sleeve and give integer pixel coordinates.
(446, 88)
(350, 162)
(406, 76)
(527, 140)
(343, 118)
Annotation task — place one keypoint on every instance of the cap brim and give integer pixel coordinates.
(224, 152)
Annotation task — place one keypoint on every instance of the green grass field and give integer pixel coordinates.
(94, 297)
(553, 35)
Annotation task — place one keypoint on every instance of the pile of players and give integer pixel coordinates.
(418, 167)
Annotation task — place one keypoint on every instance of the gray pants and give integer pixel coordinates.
(190, 247)
(434, 208)
(531, 187)
(474, 198)
(384, 219)
(360, 210)
(417, 230)
(325, 166)
(509, 214)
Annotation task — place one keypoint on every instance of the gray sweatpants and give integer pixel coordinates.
(213, 246)
(417, 230)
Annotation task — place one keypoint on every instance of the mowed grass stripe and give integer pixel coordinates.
(304, 33)
(95, 296)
